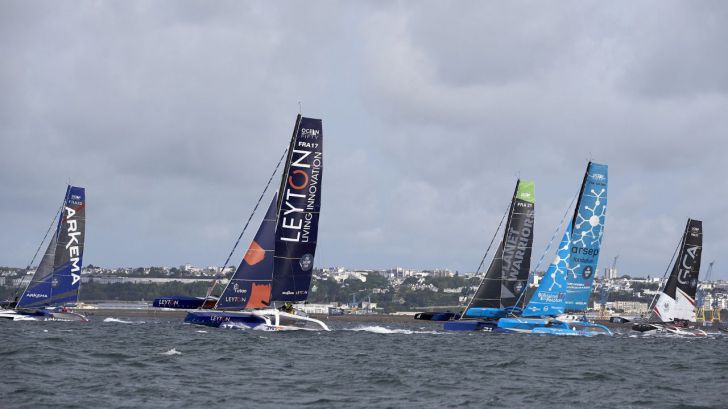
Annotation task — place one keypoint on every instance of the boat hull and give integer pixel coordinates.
(435, 316)
(472, 325)
(552, 327)
(42, 315)
(266, 320)
(184, 303)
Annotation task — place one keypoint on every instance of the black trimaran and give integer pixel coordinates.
(674, 307)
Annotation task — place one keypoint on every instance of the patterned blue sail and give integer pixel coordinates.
(58, 277)
(548, 299)
(587, 231)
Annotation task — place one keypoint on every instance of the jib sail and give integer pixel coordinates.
(250, 286)
(298, 213)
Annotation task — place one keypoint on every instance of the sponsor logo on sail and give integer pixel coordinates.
(73, 246)
(306, 262)
(310, 133)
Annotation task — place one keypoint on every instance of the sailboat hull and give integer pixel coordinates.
(266, 320)
(42, 315)
(435, 316)
(472, 325)
(551, 327)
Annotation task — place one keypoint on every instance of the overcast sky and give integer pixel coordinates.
(173, 115)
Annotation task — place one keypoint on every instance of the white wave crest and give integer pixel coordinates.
(376, 329)
(116, 320)
(171, 352)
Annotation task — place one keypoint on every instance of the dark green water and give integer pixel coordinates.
(167, 364)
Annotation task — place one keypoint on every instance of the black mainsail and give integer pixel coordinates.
(299, 201)
(507, 274)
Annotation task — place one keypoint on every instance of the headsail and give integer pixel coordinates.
(298, 213)
(508, 271)
(250, 286)
(587, 229)
(62, 284)
(677, 299)
(548, 299)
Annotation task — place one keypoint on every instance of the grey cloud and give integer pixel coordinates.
(173, 115)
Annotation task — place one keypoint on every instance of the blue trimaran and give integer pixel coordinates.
(557, 305)
(56, 282)
(279, 261)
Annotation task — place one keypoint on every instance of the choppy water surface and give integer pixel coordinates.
(162, 363)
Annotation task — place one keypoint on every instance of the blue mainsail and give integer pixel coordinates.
(250, 286)
(587, 228)
(548, 299)
(58, 277)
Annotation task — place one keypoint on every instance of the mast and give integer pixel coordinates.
(284, 174)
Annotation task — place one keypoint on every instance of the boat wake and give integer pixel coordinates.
(376, 329)
(118, 321)
(172, 352)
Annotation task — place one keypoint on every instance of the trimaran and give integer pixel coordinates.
(674, 307)
(278, 264)
(507, 276)
(557, 305)
(563, 292)
(56, 282)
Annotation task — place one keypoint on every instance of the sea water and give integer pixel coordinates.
(153, 362)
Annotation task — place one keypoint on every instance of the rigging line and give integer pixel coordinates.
(53, 221)
(674, 253)
(482, 261)
(240, 236)
(548, 246)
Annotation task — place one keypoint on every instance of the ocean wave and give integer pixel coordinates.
(376, 329)
(171, 352)
(116, 320)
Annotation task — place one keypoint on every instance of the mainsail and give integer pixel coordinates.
(587, 228)
(58, 277)
(677, 299)
(508, 272)
(250, 286)
(567, 283)
(298, 213)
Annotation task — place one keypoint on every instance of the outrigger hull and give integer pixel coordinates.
(654, 328)
(42, 315)
(472, 325)
(267, 320)
(551, 327)
(435, 316)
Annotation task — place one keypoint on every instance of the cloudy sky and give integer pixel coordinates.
(173, 114)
